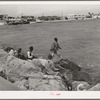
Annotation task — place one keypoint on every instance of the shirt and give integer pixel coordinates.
(11, 53)
(29, 54)
(55, 46)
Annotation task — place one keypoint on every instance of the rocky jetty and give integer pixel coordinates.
(62, 75)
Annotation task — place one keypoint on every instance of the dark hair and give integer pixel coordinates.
(19, 50)
(8, 49)
(50, 56)
(56, 39)
(31, 48)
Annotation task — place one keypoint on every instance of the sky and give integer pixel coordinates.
(38, 9)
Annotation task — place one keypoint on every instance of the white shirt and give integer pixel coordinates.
(11, 53)
(29, 54)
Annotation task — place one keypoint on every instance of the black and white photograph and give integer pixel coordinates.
(50, 46)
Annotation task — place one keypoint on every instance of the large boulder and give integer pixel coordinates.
(16, 69)
(7, 86)
(95, 88)
(46, 66)
(94, 71)
(29, 75)
(46, 83)
(76, 72)
(3, 59)
(22, 84)
(82, 76)
(80, 86)
(68, 64)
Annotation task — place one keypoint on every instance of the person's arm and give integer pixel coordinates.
(59, 46)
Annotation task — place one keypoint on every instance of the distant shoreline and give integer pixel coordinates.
(3, 23)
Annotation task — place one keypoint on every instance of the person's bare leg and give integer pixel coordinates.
(59, 54)
(52, 53)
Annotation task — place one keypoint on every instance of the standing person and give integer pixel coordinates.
(55, 48)
(30, 53)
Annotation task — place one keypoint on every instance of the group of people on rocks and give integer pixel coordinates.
(45, 63)
(17, 53)
(30, 55)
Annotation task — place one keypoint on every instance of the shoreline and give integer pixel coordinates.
(54, 21)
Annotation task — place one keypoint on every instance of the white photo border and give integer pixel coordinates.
(47, 94)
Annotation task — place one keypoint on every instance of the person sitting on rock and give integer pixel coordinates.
(10, 56)
(19, 53)
(30, 55)
(8, 49)
(11, 52)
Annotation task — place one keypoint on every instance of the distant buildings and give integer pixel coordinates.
(5, 19)
(13, 20)
(96, 16)
(75, 17)
(28, 18)
(70, 17)
(49, 18)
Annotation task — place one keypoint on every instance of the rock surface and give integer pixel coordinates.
(95, 88)
(32, 75)
(23, 84)
(80, 86)
(27, 75)
(7, 86)
(17, 68)
(3, 59)
(82, 76)
(70, 68)
(47, 83)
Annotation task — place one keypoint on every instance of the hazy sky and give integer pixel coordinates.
(48, 9)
